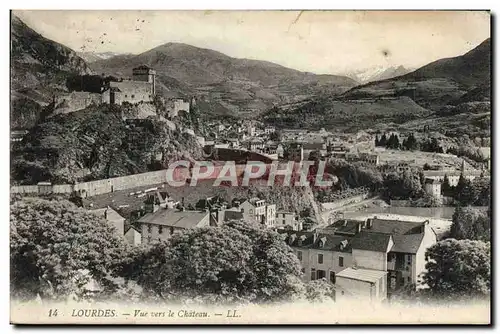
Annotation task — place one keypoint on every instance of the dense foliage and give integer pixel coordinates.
(470, 223)
(238, 262)
(458, 269)
(57, 250)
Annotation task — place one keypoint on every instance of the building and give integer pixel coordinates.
(17, 135)
(322, 255)
(361, 283)
(255, 145)
(133, 237)
(285, 219)
(318, 147)
(257, 210)
(141, 88)
(113, 218)
(280, 151)
(390, 253)
(433, 187)
(269, 129)
(162, 223)
(370, 158)
(398, 166)
(454, 175)
(175, 107)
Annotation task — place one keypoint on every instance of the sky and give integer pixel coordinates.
(323, 42)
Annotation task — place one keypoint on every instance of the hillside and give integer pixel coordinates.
(227, 85)
(440, 83)
(95, 143)
(446, 87)
(39, 68)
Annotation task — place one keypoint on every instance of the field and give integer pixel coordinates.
(421, 158)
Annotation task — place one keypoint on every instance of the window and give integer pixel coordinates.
(299, 255)
(303, 270)
(126, 95)
(313, 274)
(321, 274)
(341, 261)
(320, 258)
(332, 277)
(409, 260)
(409, 279)
(132, 96)
(149, 228)
(160, 229)
(171, 230)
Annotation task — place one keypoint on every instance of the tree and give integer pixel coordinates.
(470, 223)
(275, 136)
(56, 249)
(383, 140)
(403, 187)
(411, 142)
(447, 188)
(458, 268)
(238, 262)
(320, 291)
(465, 193)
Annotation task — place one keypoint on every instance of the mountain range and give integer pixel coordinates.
(91, 57)
(227, 86)
(377, 73)
(445, 87)
(224, 85)
(39, 68)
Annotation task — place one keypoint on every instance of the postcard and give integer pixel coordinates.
(250, 167)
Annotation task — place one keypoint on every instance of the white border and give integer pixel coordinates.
(185, 4)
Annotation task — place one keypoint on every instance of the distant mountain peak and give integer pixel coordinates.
(377, 73)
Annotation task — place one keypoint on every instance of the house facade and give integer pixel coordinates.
(113, 218)
(257, 210)
(369, 259)
(162, 223)
(133, 237)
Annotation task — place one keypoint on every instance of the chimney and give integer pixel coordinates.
(106, 213)
(369, 223)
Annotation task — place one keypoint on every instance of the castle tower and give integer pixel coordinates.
(146, 74)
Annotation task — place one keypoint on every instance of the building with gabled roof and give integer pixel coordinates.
(393, 248)
(161, 224)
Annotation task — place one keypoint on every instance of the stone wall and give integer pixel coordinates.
(100, 187)
(343, 202)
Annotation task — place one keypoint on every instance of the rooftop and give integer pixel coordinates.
(323, 241)
(361, 274)
(112, 214)
(371, 241)
(174, 218)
